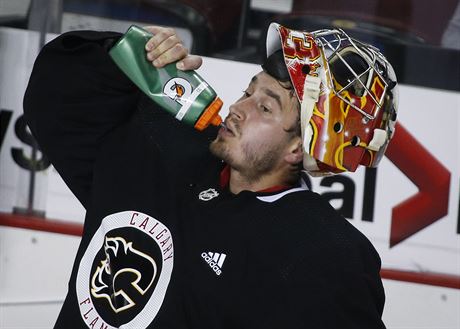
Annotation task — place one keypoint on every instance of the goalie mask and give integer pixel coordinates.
(348, 96)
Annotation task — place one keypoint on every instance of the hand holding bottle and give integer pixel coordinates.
(152, 62)
(166, 47)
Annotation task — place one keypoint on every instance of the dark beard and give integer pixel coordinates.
(260, 164)
(255, 165)
(219, 149)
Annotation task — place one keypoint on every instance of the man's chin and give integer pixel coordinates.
(216, 147)
(219, 148)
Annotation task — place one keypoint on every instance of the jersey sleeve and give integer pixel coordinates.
(75, 96)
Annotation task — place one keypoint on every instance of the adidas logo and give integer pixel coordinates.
(215, 261)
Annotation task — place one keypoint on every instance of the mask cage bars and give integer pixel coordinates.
(331, 42)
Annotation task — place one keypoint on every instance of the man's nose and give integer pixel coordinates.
(238, 110)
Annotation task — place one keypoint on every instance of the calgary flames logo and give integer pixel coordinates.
(122, 267)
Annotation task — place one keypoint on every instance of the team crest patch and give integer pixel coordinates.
(208, 194)
(125, 272)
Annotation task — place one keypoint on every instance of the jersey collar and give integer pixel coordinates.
(225, 180)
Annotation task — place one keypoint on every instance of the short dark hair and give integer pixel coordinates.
(275, 66)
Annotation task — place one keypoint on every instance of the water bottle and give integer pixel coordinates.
(184, 94)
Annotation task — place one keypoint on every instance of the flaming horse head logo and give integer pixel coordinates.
(123, 268)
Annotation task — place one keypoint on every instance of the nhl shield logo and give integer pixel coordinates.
(208, 194)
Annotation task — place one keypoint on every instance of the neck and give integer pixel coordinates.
(241, 182)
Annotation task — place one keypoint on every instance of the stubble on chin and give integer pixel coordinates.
(219, 149)
(257, 160)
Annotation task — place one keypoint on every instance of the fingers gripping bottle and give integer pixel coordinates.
(184, 94)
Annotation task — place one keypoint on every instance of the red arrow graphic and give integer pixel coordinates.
(429, 175)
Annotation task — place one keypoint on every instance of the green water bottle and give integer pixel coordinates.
(184, 94)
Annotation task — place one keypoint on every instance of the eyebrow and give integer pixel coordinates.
(274, 95)
(269, 92)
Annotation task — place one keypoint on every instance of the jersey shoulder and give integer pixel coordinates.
(310, 225)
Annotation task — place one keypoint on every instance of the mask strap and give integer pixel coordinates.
(311, 91)
(378, 140)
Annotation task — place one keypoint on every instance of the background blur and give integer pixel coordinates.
(409, 207)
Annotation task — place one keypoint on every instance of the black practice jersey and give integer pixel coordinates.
(165, 244)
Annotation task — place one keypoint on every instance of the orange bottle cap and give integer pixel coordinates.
(210, 115)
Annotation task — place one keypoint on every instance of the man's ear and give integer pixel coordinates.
(294, 153)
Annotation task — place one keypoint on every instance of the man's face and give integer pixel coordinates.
(260, 128)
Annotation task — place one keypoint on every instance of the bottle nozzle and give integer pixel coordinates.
(210, 115)
(216, 120)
